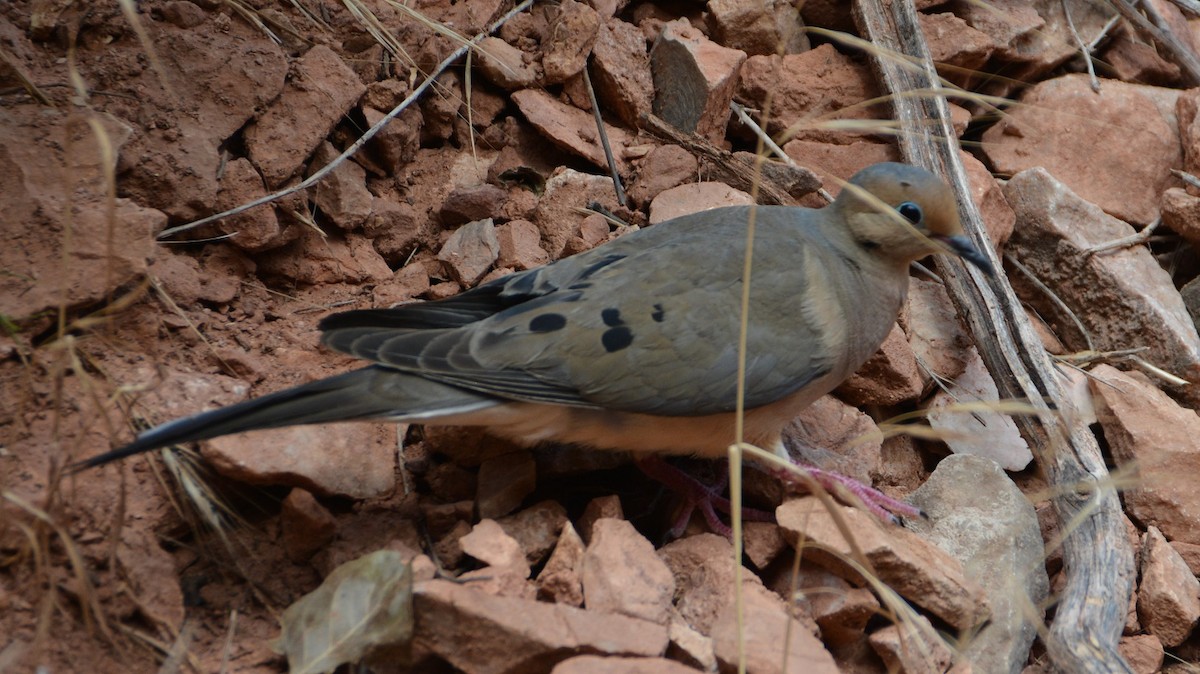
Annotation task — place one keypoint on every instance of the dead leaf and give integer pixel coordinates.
(363, 607)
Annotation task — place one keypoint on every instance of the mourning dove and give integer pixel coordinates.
(633, 345)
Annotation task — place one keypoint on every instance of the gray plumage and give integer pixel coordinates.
(633, 345)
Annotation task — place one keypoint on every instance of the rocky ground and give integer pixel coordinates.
(114, 127)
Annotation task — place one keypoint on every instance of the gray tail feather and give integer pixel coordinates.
(369, 393)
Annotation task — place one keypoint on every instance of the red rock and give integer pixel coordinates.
(504, 482)
(443, 517)
(1056, 126)
(183, 14)
(394, 230)
(622, 574)
(901, 465)
(183, 281)
(342, 195)
(1187, 111)
(505, 634)
(440, 109)
(572, 129)
(977, 430)
(836, 437)
(352, 460)
(690, 647)
(599, 508)
(937, 338)
(703, 570)
(1181, 212)
(621, 72)
(397, 143)
(256, 229)
(808, 90)
(306, 524)
(760, 28)
(834, 163)
(1143, 652)
(504, 65)
(536, 528)
(470, 251)
(384, 94)
(1034, 37)
(151, 574)
(520, 245)
(1133, 60)
(103, 256)
(506, 572)
(765, 631)
(841, 611)
(559, 580)
(693, 198)
(468, 204)
(557, 215)
(1148, 432)
(910, 565)
(490, 544)
(317, 260)
(763, 541)
(1123, 298)
(593, 231)
(320, 91)
(955, 44)
(594, 664)
(216, 89)
(564, 57)
(1190, 552)
(889, 377)
(664, 167)
(694, 80)
(912, 646)
(1168, 599)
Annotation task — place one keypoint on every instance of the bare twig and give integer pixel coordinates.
(1135, 239)
(1083, 49)
(363, 140)
(608, 154)
(1090, 615)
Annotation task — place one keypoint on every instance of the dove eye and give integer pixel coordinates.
(911, 212)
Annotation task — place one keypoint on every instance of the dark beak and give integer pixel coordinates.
(963, 247)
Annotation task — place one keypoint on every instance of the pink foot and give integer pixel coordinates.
(876, 502)
(695, 495)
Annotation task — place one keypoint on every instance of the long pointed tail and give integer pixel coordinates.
(369, 393)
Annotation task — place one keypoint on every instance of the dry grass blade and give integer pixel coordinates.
(378, 31)
(89, 603)
(130, 10)
(254, 19)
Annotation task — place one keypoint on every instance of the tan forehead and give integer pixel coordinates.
(934, 197)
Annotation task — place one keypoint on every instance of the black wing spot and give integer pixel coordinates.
(615, 339)
(612, 317)
(658, 314)
(547, 323)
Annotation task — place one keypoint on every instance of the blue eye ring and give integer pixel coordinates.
(911, 212)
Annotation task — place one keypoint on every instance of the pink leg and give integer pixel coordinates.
(876, 502)
(696, 494)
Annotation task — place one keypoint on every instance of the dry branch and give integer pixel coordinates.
(1096, 551)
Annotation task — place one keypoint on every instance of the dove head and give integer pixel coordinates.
(903, 213)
